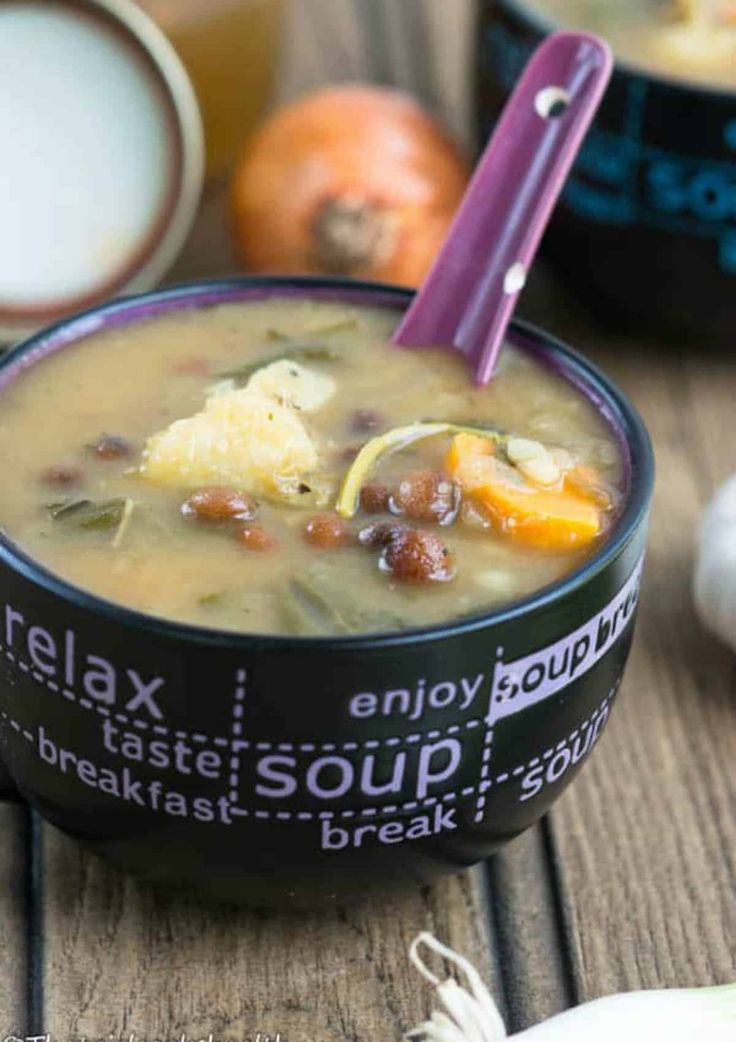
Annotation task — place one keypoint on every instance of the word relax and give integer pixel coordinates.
(58, 657)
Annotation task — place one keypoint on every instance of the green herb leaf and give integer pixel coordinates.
(298, 351)
(65, 507)
(315, 353)
(209, 600)
(86, 514)
(314, 604)
(125, 519)
(318, 608)
(339, 326)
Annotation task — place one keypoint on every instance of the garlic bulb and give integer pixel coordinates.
(714, 584)
(684, 1015)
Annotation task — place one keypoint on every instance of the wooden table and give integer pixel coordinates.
(630, 882)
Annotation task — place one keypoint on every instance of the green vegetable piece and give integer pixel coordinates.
(316, 353)
(297, 619)
(65, 507)
(209, 600)
(242, 374)
(86, 514)
(314, 604)
(125, 519)
(317, 608)
(101, 515)
(339, 326)
(301, 352)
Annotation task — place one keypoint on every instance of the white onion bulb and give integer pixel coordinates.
(714, 584)
(685, 1015)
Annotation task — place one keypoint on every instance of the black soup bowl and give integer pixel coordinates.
(280, 769)
(645, 230)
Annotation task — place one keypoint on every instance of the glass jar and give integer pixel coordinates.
(230, 50)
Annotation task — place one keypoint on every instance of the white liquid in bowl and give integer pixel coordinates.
(86, 157)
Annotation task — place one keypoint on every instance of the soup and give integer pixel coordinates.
(687, 39)
(278, 467)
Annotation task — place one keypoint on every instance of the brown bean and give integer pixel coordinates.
(255, 537)
(62, 476)
(349, 453)
(219, 503)
(417, 557)
(111, 447)
(375, 499)
(193, 367)
(367, 421)
(381, 533)
(327, 532)
(426, 495)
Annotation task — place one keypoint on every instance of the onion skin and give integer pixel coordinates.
(471, 1014)
(352, 180)
(714, 581)
(684, 1015)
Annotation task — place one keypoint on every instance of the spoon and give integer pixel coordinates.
(471, 291)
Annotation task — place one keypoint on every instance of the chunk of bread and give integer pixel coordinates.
(241, 438)
(292, 384)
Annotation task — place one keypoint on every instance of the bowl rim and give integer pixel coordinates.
(544, 24)
(586, 377)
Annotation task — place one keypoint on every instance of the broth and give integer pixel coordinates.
(684, 39)
(103, 490)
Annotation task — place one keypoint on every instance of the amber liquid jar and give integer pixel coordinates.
(230, 50)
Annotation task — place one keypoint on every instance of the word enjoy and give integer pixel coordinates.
(411, 702)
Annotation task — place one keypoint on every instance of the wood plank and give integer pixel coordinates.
(14, 965)
(646, 839)
(119, 958)
(419, 45)
(323, 43)
(529, 941)
(7, 788)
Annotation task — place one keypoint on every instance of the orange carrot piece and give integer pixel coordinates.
(540, 518)
(545, 520)
(465, 446)
(585, 481)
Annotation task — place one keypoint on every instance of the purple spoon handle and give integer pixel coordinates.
(470, 293)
